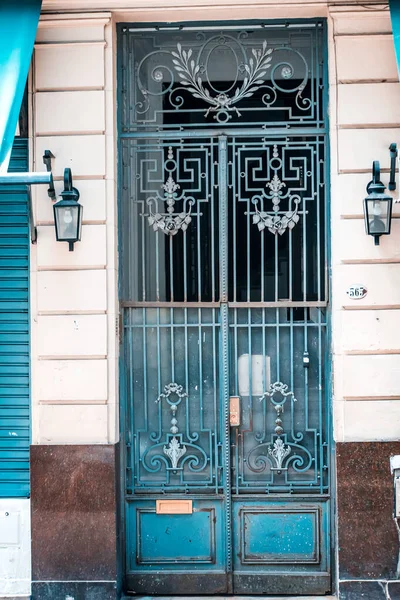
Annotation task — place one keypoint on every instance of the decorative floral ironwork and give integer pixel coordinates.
(174, 451)
(276, 221)
(279, 452)
(170, 389)
(199, 67)
(278, 388)
(190, 71)
(170, 222)
(174, 447)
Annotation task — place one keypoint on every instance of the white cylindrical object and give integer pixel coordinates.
(260, 374)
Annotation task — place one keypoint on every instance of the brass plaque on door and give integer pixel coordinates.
(234, 411)
(174, 507)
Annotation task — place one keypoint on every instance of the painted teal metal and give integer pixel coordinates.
(14, 332)
(18, 25)
(395, 16)
(224, 251)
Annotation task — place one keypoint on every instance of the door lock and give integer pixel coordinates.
(234, 411)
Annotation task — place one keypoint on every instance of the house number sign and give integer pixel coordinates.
(356, 291)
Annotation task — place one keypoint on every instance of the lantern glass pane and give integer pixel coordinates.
(378, 215)
(67, 223)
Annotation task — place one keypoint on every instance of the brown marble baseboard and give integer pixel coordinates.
(75, 509)
(368, 539)
(78, 590)
(74, 503)
(369, 590)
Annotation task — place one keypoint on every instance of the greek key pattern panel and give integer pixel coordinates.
(277, 215)
(170, 220)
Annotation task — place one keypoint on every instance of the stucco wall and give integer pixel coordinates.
(74, 294)
(365, 117)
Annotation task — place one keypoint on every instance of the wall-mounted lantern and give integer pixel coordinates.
(378, 205)
(68, 213)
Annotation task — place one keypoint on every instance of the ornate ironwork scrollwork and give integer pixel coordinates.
(277, 221)
(170, 222)
(174, 447)
(190, 71)
(250, 69)
(278, 452)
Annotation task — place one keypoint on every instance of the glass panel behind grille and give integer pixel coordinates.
(281, 444)
(172, 387)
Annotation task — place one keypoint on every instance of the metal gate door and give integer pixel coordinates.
(224, 304)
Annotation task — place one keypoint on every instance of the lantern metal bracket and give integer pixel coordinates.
(47, 156)
(376, 172)
(28, 179)
(393, 159)
(69, 189)
(375, 185)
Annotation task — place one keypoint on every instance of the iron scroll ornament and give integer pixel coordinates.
(170, 222)
(277, 221)
(188, 70)
(177, 450)
(279, 452)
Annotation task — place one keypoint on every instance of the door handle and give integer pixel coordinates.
(234, 411)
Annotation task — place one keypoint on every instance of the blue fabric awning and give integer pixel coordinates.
(395, 15)
(18, 24)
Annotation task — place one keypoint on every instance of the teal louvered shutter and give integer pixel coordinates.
(14, 332)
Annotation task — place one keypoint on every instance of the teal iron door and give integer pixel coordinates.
(224, 333)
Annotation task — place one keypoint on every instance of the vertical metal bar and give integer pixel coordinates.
(317, 199)
(158, 258)
(171, 312)
(215, 399)
(320, 396)
(235, 199)
(265, 389)
(223, 211)
(235, 367)
(290, 264)
(129, 407)
(223, 242)
(248, 224)
(291, 354)
(276, 278)
(186, 351)
(306, 402)
(278, 367)
(158, 354)
(262, 266)
(210, 198)
(305, 246)
(144, 253)
(199, 254)
(157, 266)
(171, 269)
(145, 399)
(201, 369)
